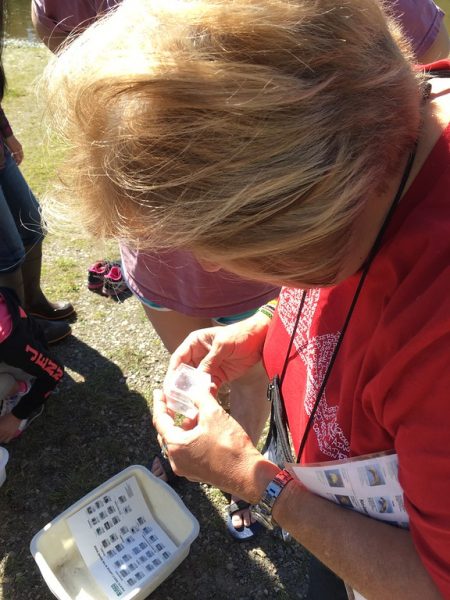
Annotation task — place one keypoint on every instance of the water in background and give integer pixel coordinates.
(19, 20)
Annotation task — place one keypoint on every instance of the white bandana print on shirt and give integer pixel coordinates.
(316, 353)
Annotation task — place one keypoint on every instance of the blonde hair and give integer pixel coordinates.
(248, 131)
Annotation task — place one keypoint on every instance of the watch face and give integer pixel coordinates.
(260, 517)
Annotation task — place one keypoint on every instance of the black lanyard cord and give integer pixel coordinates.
(373, 252)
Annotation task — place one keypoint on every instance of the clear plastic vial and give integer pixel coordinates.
(181, 386)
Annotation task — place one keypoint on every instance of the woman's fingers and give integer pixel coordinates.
(214, 448)
(162, 420)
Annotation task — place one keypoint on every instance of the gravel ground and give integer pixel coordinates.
(98, 423)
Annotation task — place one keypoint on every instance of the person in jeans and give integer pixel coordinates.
(21, 234)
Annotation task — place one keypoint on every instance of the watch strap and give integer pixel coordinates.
(262, 511)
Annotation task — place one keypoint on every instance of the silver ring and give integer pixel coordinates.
(164, 450)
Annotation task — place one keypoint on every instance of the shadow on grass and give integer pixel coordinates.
(92, 428)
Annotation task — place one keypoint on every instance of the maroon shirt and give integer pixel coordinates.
(65, 15)
(5, 127)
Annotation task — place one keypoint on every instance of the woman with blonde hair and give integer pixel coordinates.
(177, 294)
(294, 143)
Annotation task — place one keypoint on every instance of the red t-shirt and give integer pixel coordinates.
(390, 385)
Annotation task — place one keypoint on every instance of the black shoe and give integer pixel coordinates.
(54, 331)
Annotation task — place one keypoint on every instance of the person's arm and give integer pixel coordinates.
(15, 148)
(5, 128)
(9, 138)
(5, 131)
(378, 560)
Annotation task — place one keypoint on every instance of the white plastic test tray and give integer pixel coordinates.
(60, 562)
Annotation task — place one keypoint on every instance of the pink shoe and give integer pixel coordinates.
(114, 284)
(97, 273)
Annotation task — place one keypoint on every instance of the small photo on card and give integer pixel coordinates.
(334, 478)
(383, 505)
(374, 475)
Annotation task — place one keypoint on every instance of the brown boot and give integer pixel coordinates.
(36, 303)
(53, 332)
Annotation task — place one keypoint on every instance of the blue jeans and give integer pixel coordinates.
(20, 218)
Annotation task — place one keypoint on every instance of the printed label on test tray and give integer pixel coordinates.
(120, 541)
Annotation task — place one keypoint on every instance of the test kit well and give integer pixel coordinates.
(182, 385)
(119, 541)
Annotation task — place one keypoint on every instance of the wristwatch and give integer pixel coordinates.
(262, 511)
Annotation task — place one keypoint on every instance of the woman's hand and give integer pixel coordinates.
(15, 147)
(224, 352)
(214, 449)
(9, 424)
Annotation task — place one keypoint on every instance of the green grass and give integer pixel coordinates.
(23, 66)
